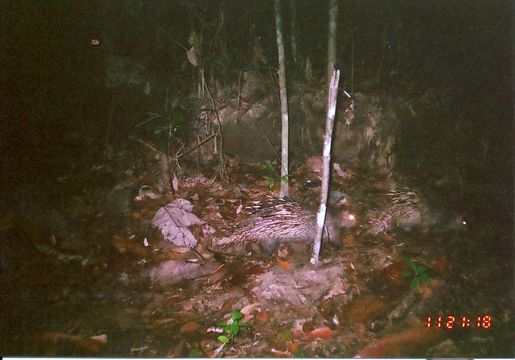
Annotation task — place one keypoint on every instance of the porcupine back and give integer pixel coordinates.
(281, 220)
(407, 209)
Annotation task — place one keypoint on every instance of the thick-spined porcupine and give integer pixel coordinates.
(281, 220)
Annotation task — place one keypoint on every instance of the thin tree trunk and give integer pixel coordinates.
(331, 38)
(283, 98)
(328, 136)
(293, 30)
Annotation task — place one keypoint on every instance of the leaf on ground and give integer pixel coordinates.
(227, 306)
(262, 316)
(363, 309)
(293, 347)
(189, 326)
(129, 246)
(402, 343)
(338, 288)
(321, 333)
(223, 339)
(173, 220)
(284, 264)
(236, 315)
(440, 264)
(248, 310)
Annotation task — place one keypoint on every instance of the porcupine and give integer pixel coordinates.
(407, 210)
(282, 220)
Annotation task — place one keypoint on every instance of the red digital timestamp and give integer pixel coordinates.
(452, 322)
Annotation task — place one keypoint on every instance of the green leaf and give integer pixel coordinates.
(407, 274)
(270, 181)
(269, 166)
(410, 263)
(421, 269)
(424, 278)
(236, 315)
(223, 339)
(415, 283)
(234, 329)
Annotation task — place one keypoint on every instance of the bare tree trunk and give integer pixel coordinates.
(352, 65)
(284, 99)
(331, 38)
(293, 30)
(331, 112)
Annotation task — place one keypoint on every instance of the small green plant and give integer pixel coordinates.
(270, 181)
(417, 273)
(271, 177)
(270, 167)
(232, 327)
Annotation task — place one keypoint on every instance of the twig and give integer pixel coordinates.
(278, 154)
(196, 146)
(202, 259)
(152, 116)
(172, 39)
(223, 173)
(352, 65)
(178, 152)
(109, 123)
(147, 145)
(239, 97)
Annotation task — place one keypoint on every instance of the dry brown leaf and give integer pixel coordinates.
(262, 316)
(189, 326)
(321, 333)
(427, 290)
(248, 310)
(138, 215)
(440, 264)
(133, 247)
(402, 343)
(338, 288)
(217, 276)
(283, 264)
(293, 347)
(392, 275)
(388, 239)
(363, 309)
(227, 306)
